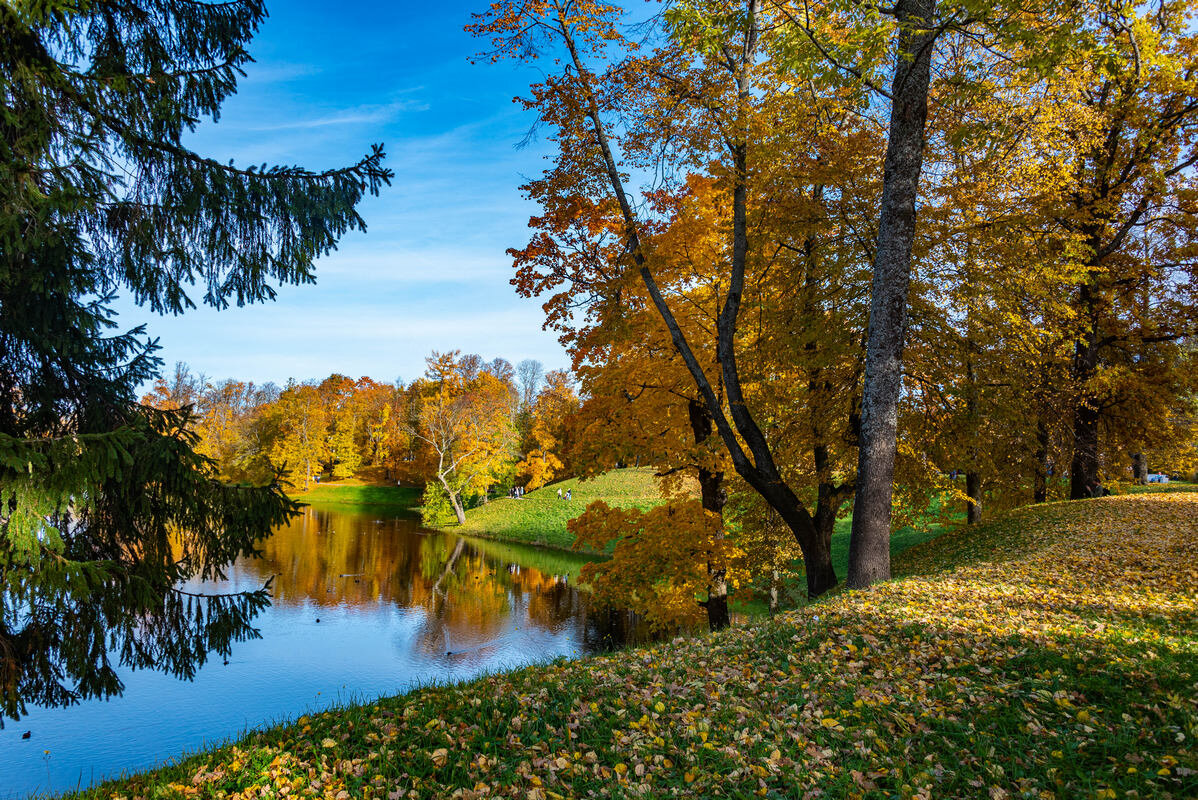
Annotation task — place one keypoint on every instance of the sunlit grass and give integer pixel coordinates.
(360, 494)
(540, 518)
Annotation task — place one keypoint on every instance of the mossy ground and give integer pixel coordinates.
(1052, 653)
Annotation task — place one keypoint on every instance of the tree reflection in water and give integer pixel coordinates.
(469, 591)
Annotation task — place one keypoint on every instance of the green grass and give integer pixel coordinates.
(1052, 653)
(540, 518)
(1158, 488)
(795, 589)
(326, 494)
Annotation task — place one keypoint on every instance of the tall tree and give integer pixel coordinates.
(869, 547)
(592, 231)
(529, 374)
(468, 425)
(105, 506)
(1129, 210)
(549, 433)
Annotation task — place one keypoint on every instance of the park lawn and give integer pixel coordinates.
(350, 493)
(1052, 653)
(540, 518)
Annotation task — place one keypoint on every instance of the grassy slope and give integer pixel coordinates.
(360, 494)
(1052, 653)
(540, 518)
(1159, 488)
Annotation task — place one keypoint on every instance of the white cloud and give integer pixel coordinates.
(359, 115)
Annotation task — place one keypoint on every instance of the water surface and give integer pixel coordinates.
(366, 603)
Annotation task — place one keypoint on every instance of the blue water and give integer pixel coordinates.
(397, 606)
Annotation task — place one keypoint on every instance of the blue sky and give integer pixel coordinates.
(431, 271)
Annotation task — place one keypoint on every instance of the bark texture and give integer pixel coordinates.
(869, 548)
(1139, 468)
(1083, 470)
(1041, 488)
(715, 496)
(973, 490)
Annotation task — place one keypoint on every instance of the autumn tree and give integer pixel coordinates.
(1069, 288)
(385, 439)
(106, 508)
(343, 405)
(592, 233)
(1128, 210)
(467, 423)
(299, 424)
(549, 432)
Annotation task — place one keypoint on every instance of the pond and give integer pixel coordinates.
(366, 603)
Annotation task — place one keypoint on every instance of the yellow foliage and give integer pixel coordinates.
(659, 564)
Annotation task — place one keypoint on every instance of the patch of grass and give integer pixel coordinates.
(1051, 653)
(359, 494)
(540, 518)
(795, 590)
(1158, 488)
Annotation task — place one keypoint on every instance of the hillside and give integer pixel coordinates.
(1053, 653)
(540, 517)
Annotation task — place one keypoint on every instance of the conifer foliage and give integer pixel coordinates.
(106, 509)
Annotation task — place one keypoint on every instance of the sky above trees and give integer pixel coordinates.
(431, 271)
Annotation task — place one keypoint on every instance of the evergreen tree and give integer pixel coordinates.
(106, 509)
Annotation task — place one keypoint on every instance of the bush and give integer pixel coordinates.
(435, 509)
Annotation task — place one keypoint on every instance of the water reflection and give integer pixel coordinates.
(364, 604)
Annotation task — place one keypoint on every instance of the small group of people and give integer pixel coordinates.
(516, 492)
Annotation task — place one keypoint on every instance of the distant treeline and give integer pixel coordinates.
(468, 426)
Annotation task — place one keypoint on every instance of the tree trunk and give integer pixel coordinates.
(829, 498)
(869, 547)
(1041, 488)
(1083, 472)
(825, 516)
(1139, 468)
(761, 472)
(454, 500)
(711, 487)
(973, 490)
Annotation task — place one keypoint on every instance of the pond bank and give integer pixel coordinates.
(956, 680)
